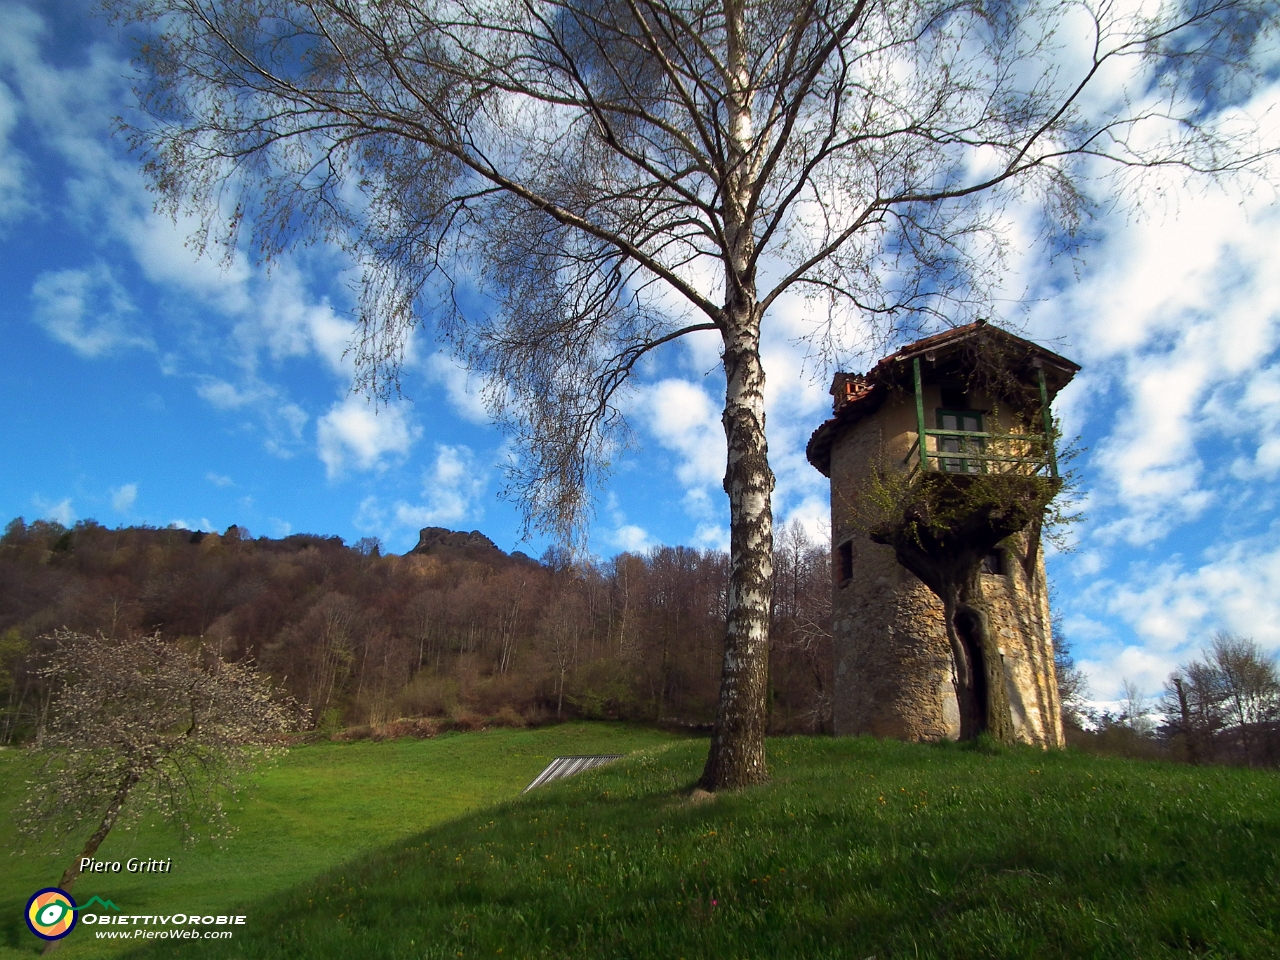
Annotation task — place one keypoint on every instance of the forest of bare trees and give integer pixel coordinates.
(469, 635)
(463, 635)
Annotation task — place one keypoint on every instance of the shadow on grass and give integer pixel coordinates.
(322, 805)
(856, 848)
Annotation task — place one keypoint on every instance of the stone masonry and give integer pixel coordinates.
(893, 669)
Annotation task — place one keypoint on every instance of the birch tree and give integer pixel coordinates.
(565, 186)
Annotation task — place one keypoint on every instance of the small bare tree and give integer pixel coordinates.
(142, 724)
(1226, 704)
(613, 175)
(560, 629)
(1135, 709)
(1249, 685)
(1073, 685)
(802, 616)
(1192, 705)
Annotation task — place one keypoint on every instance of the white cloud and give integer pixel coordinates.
(624, 536)
(371, 517)
(451, 489)
(123, 498)
(702, 351)
(1178, 322)
(356, 433)
(701, 503)
(686, 421)
(1160, 616)
(464, 390)
(221, 311)
(71, 108)
(1087, 563)
(282, 420)
(204, 524)
(711, 536)
(294, 417)
(684, 417)
(792, 390)
(14, 167)
(159, 245)
(87, 310)
(1150, 459)
(1253, 413)
(285, 423)
(223, 395)
(1237, 588)
(813, 514)
(284, 323)
(800, 490)
(218, 480)
(62, 512)
(631, 538)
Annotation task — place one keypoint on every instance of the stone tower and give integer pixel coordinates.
(980, 398)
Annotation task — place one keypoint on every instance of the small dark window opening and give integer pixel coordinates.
(993, 562)
(955, 398)
(844, 561)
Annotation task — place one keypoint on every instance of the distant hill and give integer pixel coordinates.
(455, 628)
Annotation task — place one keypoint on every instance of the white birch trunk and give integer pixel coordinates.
(737, 747)
(737, 757)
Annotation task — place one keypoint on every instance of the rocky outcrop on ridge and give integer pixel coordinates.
(436, 541)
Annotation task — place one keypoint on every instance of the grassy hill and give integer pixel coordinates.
(318, 808)
(857, 848)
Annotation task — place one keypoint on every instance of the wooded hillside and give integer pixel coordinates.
(455, 629)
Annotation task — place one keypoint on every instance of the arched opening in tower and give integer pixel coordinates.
(975, 707)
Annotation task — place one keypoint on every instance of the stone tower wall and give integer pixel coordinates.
(893, 673)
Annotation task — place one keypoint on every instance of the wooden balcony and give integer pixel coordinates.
(978, 451)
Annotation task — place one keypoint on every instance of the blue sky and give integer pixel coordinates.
(148, 385)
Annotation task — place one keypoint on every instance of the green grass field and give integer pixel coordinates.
(857, 848)
(318, 808)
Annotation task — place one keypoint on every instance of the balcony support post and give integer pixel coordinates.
(1051, 454)
(924, 456)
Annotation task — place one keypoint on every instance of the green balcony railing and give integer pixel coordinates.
(978, 451)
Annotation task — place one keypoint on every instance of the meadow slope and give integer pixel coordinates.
(857, 848)
(319, 807)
